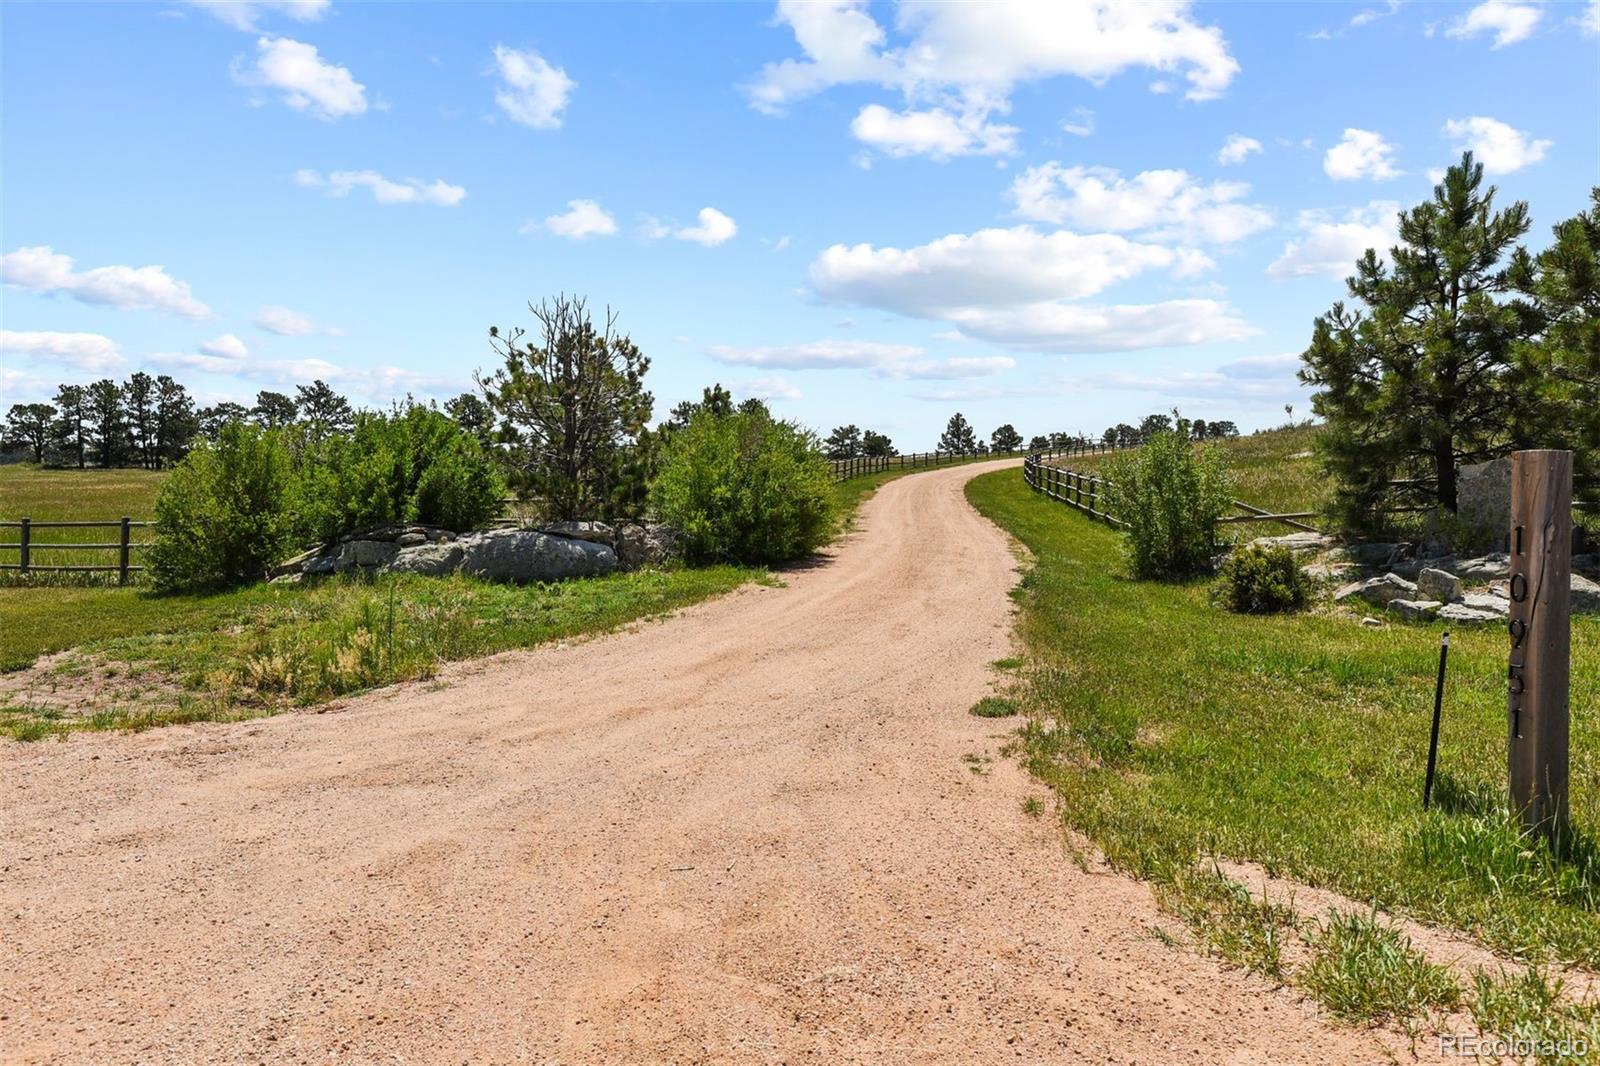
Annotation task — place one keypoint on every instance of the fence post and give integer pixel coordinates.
(1538, 675)
(122, 563)
(27, 530)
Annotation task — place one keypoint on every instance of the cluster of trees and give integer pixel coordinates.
(851, 442)
(152, 422)
(1461, 347)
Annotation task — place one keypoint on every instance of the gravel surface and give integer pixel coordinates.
(751, 832)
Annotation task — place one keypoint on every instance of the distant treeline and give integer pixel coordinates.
(851, 442)
(152, 422)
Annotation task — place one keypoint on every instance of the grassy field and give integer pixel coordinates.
(152, 659)
(1173, 730)
(44, 495)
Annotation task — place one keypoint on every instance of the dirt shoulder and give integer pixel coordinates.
(763, 830)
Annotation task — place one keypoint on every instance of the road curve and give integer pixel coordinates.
(751, 832)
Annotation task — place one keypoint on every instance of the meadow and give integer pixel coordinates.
(1174, 731)
(126, 658)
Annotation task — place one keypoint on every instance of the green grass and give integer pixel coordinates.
(1535, 1010)
(1364, 970)
(1175, 730)
(265, 648)
(1228, 920)
(28, 491)
(994, 707)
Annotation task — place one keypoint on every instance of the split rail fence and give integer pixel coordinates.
(1084, 492)
(844, 469)
(25, 546)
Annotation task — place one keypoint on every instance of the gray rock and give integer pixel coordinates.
(1299, 543)
(1407, 568)
(1485, 567)
(1461, 614)
(522, 556)
(407, 540)
(430, 560)
(598, 532)
(325, 562)
(1415, 610)
(645, 545)
(1378, 591)
(1332, 571)
(1374, 554)
(1439, 585)
(1483, 502)
(1371, 621)
(1585, 595)
(1586, 564)
(367, 554)
(1482, 601)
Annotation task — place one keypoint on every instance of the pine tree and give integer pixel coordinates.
(958, 436)
(1006, 438)
(273, 410)
(321, 411)
(70, 433)
(107, 422)
(876, 445)
(1562, 359)
(1421, 377)
(139, 405)
(843, 443)
(175, 421)
(28, 426)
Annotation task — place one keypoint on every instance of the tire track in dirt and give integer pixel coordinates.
(745, 833)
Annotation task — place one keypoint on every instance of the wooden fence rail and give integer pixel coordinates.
(124, 546)
(1083, 492)
(844, 469)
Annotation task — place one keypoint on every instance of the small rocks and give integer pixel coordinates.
(1415, 610)
(1371, 621)
(1439, 585)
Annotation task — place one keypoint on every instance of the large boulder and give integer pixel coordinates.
(642, 545)
(1498, 606)
(1483, 503)
(598, 532)
(429, 560)
(1298, 543)
(521, 555)
(1461, 614)
(1379, 591)
(1436, 584)
(1585, 595)
(1374, 554)
(1485, 567)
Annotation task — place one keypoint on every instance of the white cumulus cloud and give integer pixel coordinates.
(583, 218)
(1013, 287)
(244, 14)
(1361, 154)
(305, 80)
(90, 353)
(147, 288)
(935, 132)
(898, 361)
(384, 191)
(1237, 148)
(532, 92)
(289, 323)
(1081, 124)
(712, 229)
(1165, 204)
(1499, 147)
(1509, 22)
(959, 63)
(1329, 245)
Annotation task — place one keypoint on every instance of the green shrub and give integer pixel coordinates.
(745, 487)
(1258, 580)
(1170, 494)
(226, 513)
(416, 465)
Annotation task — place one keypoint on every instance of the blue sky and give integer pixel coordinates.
(1046, 214)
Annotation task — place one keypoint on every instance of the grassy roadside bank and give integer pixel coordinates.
(132, 659)
(1173, 730)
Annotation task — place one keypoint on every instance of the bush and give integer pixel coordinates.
(1257, 580)
(226, 513)
(1170, 494)
(746, 488)
(416, 465)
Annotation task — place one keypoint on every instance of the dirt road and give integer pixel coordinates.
(752, 832)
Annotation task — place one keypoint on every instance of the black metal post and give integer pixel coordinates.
(1438, 704)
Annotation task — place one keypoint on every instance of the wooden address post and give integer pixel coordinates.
(1540, 628)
